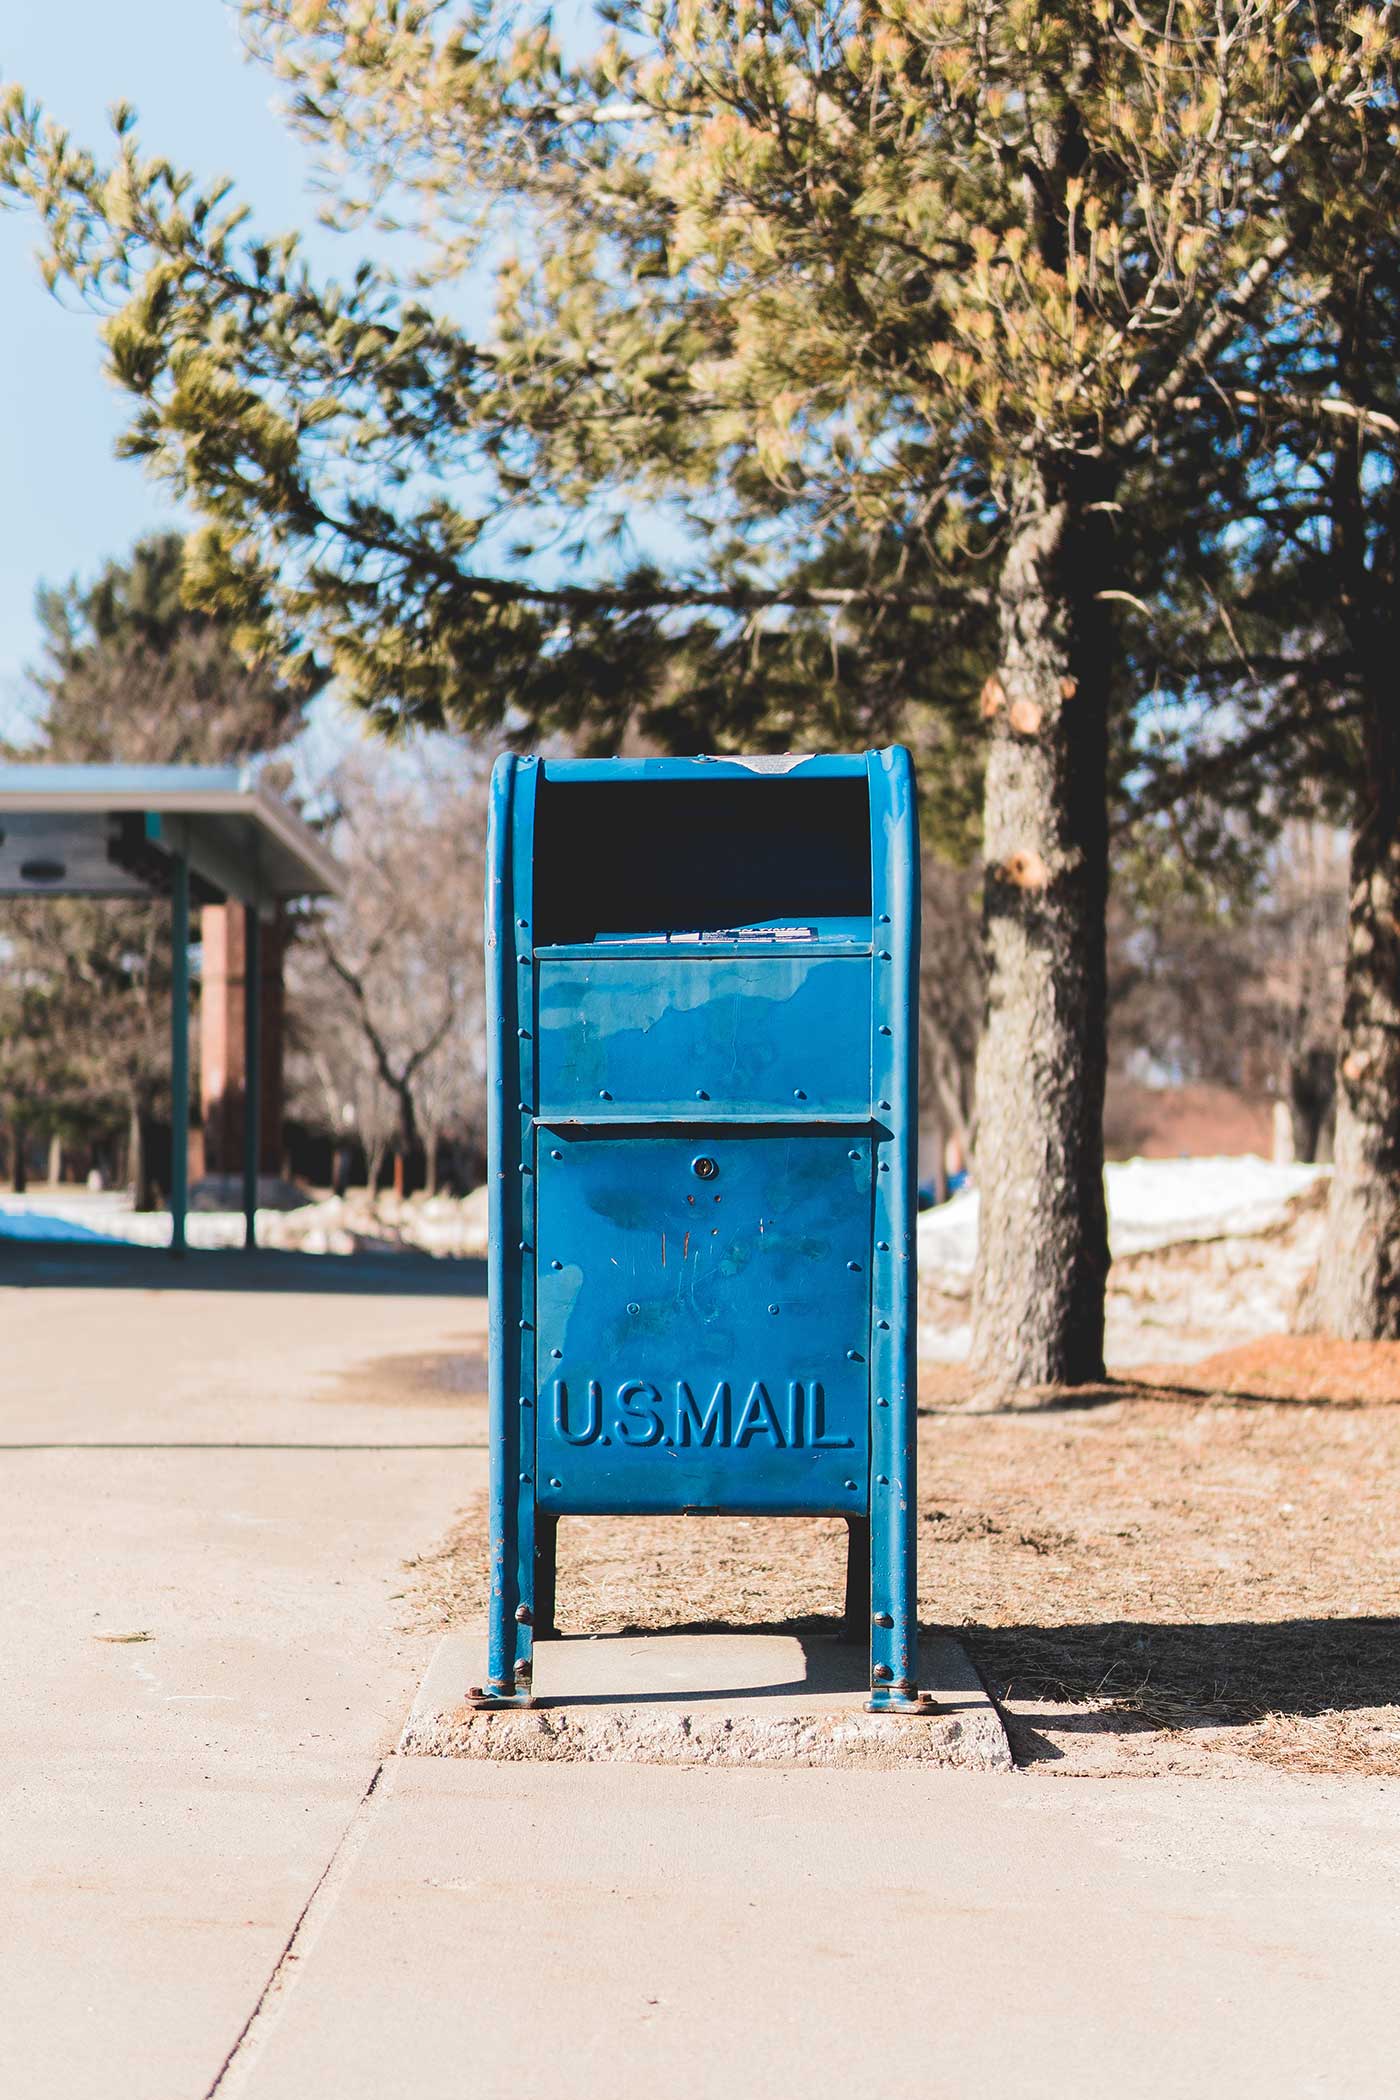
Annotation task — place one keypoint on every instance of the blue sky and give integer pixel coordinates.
(68, 502)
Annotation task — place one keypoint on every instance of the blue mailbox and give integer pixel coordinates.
(702, 1085)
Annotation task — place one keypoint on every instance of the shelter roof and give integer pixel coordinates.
(113, 831)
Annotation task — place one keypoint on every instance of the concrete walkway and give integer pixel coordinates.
(215, 1879)
(197, 1462)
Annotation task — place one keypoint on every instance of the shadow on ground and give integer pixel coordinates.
(114, 1266)
(830, 1663)
(1086, 1399)
(1194, 1676)
(1134, 1674)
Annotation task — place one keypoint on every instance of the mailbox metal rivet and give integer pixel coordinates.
(524, 1246)
(850, 1484)
(884, 1324)
(523, 1168)
(556, 1354)
(882, 1480)
(524, 1326)
(554, 1482)
(700, 1094)
(524, 962)
(881, 1618)
(524, 1034)
(603, 1094)
(882, 1104)
(882, 1403)
(554, 1153)
(882, 1246)
(526, 1401)
(884, 955)
(884, 919)
(854, 1153)
(855, 1356)
(704, 1169)
(632, 1308)
(522, 1615)
(884, 1166)
(884, 1030)
(797, 1094)
(522, 923)
(772, 1308)
(853, 1265)
(556, 1265)
(882, 1673)
(526, 1478)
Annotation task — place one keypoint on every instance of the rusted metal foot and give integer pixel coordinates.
(900, 1699)
(491, 1697)
(486, 1699)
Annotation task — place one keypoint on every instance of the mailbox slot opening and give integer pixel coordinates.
(676, 857)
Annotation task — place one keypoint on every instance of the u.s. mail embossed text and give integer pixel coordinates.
(643, 1416)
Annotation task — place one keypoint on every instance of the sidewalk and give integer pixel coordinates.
(598, 1932)
(207, 1467)
(216, 1879)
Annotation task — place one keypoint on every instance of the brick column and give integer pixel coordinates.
(221, 1071)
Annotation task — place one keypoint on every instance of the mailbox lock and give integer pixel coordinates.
(704, 1169)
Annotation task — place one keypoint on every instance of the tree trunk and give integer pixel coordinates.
(143, 1190)
(19, 1180)
(1311, 1093)
(374, 1167)
(55, 1159)
(430, 1164)
(1357, 1293)
(1042, 1258)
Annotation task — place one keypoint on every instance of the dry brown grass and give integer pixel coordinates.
(1183, 1572)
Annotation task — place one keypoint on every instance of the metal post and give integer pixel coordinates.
(547, 1574)
(179, 1049)
(252, 1072)
(510, 1145)
(855, 1619)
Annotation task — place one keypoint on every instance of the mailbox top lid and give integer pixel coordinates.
(842, 765)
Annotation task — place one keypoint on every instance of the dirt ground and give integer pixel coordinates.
(1197, 1570)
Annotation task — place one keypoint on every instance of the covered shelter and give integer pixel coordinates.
(207, 834)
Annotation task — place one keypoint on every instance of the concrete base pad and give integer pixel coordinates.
(705, 1699)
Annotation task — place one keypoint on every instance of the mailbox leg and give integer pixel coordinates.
(894, 1618)
(855, 1622)
(510, 1287)
(546, 1568)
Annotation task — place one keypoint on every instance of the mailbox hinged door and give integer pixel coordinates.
(703, 1317)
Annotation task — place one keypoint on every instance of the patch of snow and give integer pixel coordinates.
(1151, 1203)
(443, 1225)
(1164, 1202)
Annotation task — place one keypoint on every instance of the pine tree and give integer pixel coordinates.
(925, 271)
